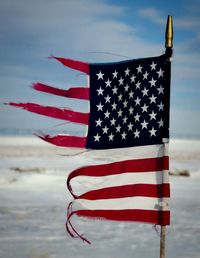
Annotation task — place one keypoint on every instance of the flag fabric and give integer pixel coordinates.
(129, 113)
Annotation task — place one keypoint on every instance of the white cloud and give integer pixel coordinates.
(153, 15)
(70, 27)
(186, 22)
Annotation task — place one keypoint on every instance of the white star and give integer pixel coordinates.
(139, 69)
(136, 133)
(152, 132)
(125, 120)
(153, 99)
(161, 123)
(125, 103)
(100, 75)
(160, 73)
(138, 85)
(100, 107)
(133, 78)
(130, 110)
(111, 136)
(131, 95)
(115, 90)
(100, 91)
(153, 82)
(144, 108)
(144, 124)
(126, 87)
(145, 92)
(120, 113)
(107, 98)
(160, 90)
(115, 74)
(98, 122)
(152, 115)
(121, 81)
(145, 75)
(114, 106)
(96, 138)
(161, 106)
(153, 66)
(113, 121)
(118, 128)
(137, 101)
(108, 82)
(130, 127)
(137, 117)
(120, 97)
(105, 130)
(107, 114)
(123, 135)
(127, 72)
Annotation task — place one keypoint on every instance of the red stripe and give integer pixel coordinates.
(70, 228)
(64, 114)
(78, 93)
(124, 191)
(74, 64)
(65, 141)
(139, 165)
(147, 216)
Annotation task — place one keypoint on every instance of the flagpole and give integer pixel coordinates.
(162, 241)
(169, 52)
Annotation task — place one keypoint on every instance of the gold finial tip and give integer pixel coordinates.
(169, 32)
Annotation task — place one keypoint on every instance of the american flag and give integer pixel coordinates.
(129, 112)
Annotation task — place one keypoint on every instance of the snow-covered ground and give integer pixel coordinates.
(34, 198)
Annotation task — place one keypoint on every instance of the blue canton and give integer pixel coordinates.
(129, 103)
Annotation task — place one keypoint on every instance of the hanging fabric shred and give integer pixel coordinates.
(77, 93)
(64, 114)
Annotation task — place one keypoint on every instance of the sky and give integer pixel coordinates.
(94, 31)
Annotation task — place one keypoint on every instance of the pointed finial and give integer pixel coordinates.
(169, 33)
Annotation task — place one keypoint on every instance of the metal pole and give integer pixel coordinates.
(162, 241)
(169, 49)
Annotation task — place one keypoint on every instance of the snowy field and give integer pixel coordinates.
(34, 198)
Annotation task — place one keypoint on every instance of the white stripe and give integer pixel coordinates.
(141, 203)
(88, 105)
(94, 183)
(114, 155)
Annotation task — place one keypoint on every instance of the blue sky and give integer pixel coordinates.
(31, 30)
